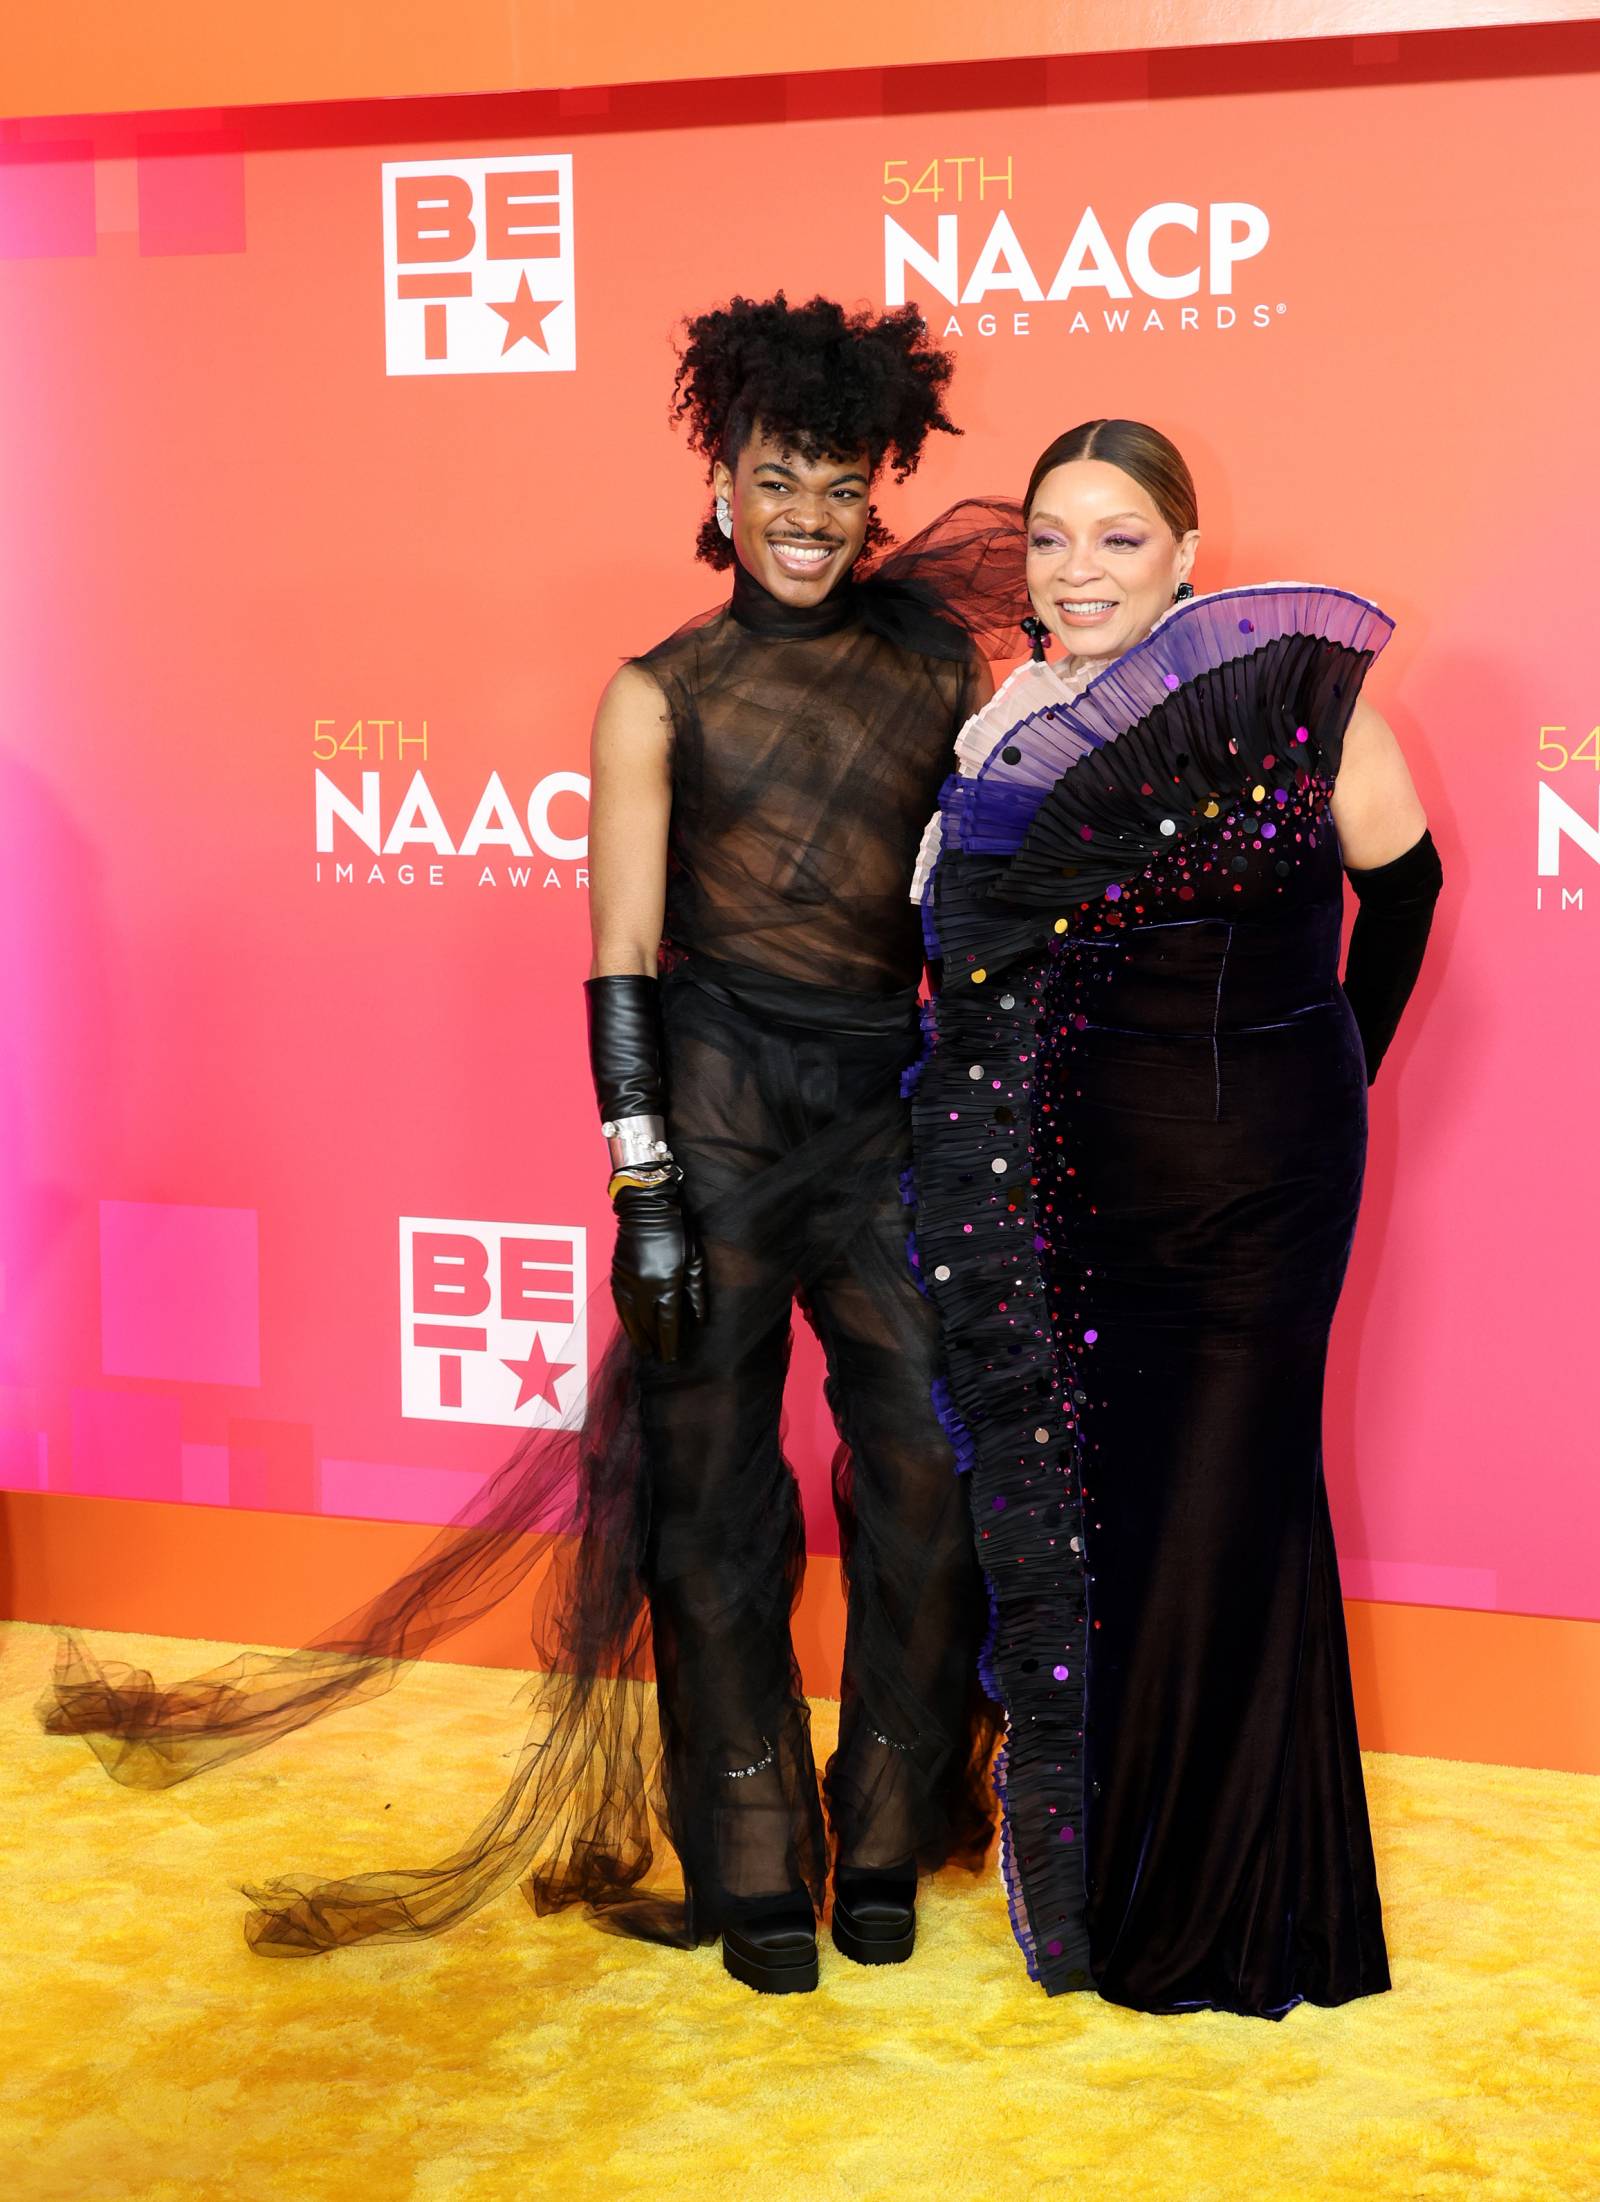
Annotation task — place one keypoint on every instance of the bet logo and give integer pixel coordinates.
(493, 1325)
(477, 266)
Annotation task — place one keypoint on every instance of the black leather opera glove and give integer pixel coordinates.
(1387, 942)
(657, 1271)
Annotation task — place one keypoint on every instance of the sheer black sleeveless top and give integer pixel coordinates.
(808, 747)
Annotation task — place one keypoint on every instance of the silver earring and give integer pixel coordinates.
(725, 516)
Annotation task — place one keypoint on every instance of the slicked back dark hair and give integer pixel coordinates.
(1153, 460)
(826, 382)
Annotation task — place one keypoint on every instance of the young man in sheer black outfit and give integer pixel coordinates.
(761, 780)
(761, 783)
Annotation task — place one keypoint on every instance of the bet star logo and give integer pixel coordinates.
(477, 265)
(539, 1376)
(492, 1322)
(524, 318)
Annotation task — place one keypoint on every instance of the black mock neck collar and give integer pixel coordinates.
(762, 613)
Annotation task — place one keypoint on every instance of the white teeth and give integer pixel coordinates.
(1105, 605)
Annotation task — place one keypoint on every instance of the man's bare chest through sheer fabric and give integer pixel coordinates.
(803, 770)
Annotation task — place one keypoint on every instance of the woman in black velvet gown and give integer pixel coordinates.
(1141, 1129)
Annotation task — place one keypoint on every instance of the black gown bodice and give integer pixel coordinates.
(1247, 933)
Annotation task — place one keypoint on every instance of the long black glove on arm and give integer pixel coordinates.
(657, 1273)
(1387, 940)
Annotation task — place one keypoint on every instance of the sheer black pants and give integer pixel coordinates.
(787, 1119)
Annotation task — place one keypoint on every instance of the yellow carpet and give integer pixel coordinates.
(145, 2054)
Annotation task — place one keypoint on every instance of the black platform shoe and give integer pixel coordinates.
(875, 1915)
(773, 1947)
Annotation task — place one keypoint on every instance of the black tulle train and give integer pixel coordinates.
(671, 1529)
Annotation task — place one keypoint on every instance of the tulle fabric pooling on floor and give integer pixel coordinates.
(578, 1817)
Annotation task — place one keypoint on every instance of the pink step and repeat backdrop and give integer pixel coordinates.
(338, 478)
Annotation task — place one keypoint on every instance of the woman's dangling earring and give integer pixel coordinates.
(1183, 592)
(725, 516)
(1039, 635)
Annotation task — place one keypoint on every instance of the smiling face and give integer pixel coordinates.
(1102, 562)
(798, 524)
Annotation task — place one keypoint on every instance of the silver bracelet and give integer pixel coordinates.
(636, 1140)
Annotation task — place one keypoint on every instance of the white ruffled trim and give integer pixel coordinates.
(1031, 687)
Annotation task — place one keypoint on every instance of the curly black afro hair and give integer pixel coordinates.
(827, 381)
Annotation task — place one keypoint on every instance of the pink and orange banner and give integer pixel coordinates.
(339, 479)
